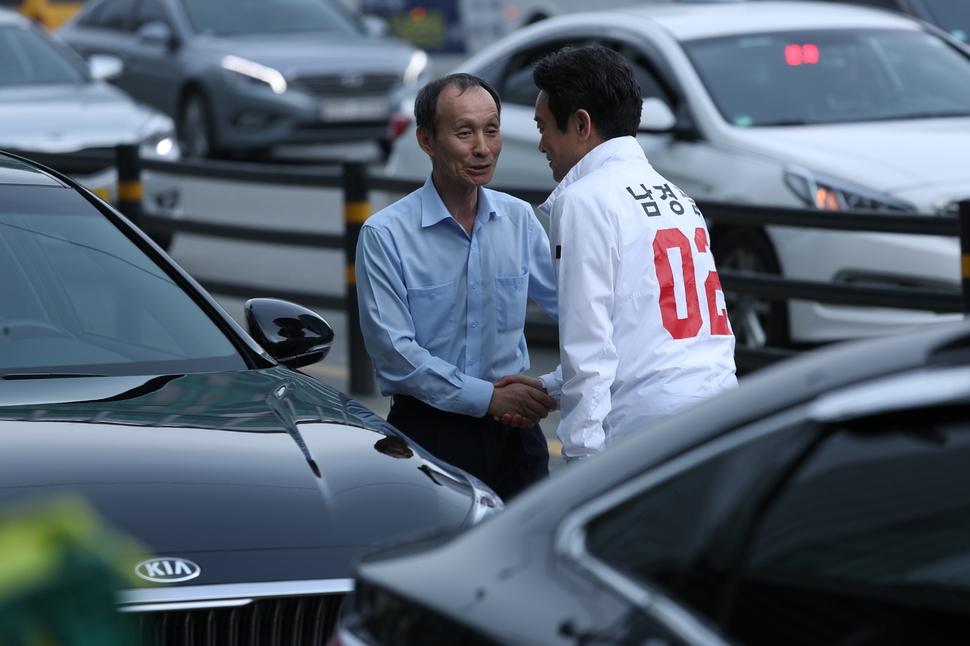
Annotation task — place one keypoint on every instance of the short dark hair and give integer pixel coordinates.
(426, 103)
(596, 79)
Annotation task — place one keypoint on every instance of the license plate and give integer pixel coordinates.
(359, 109)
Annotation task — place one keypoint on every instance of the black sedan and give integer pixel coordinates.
(825, 502)
(250, 485)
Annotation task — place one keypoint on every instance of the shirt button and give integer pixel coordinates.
(474, 285)
(474, 325)
(472, 362)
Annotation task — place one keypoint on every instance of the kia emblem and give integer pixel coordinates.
(167, 570)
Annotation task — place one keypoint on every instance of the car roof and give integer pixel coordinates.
(16, 171)
(704, 20)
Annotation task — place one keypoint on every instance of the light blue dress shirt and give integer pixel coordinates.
(442, 313)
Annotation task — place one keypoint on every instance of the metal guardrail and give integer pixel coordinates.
(353, 179)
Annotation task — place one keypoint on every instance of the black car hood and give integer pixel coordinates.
(254, 476)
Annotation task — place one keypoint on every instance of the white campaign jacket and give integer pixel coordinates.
(643, 327)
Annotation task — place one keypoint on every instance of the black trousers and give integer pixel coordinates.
(506, 459)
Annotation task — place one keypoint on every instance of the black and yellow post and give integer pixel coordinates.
(356, 210)
(129, 193)
(965, 254)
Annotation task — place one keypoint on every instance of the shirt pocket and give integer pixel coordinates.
(511, 299)
(433, 311)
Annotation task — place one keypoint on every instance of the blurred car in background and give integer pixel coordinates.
(244, 76)
(823, 503)
(789, 104)
(466, 26)
(59, 110)
(50, 13)
(249, 485)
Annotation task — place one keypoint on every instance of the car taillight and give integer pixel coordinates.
(398, 124)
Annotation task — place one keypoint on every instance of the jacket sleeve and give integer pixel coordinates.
(587, 272)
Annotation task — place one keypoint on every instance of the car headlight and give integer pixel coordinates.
(240, 71)
(157, 138)
(416, 67)
(828, 194)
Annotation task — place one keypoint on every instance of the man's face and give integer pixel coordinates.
(562, 149)
(468, 142)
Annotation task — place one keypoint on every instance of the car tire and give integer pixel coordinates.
(196, 127)
(756, 322)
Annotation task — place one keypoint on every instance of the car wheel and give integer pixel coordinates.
(756, 322)
(195, 127)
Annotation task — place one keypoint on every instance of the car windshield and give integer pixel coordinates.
(77, 297)
(242, 17)
(832, 76)
(951, 15)
(27, 58)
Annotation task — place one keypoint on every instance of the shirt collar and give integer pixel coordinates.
(434, 210)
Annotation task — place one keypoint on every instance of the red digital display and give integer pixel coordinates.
(801, 54)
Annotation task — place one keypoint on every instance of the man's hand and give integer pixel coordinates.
(520, 401)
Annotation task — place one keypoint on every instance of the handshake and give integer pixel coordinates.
(520, 401)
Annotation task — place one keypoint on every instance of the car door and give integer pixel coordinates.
(845, 520)
(152, 62)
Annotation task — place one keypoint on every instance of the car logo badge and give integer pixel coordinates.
(352, 80)
(167, 570)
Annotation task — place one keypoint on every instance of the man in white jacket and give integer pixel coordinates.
(643, 328)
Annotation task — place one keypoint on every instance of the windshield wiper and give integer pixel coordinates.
(48, 375)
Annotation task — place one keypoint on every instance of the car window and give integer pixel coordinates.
(831, 76)
(870, 537)
(663, 534)
(860, 536)
(234, 17)
(650, 84)
(149, 11)
(515, 86)
(514, 80)
(77, 296)
(951, 15)
(27, 58)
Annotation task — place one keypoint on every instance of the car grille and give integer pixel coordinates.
(347, 84)
(290, 621)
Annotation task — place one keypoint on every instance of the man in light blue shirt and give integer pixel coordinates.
(443, 280)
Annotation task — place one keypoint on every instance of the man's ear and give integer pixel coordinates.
(583, 124)
(424, 140)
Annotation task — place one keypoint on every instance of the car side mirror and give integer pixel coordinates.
(290, 333)
(104, 67)
(157, 32)
(656, 116)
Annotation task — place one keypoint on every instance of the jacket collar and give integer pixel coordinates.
(612, 151)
